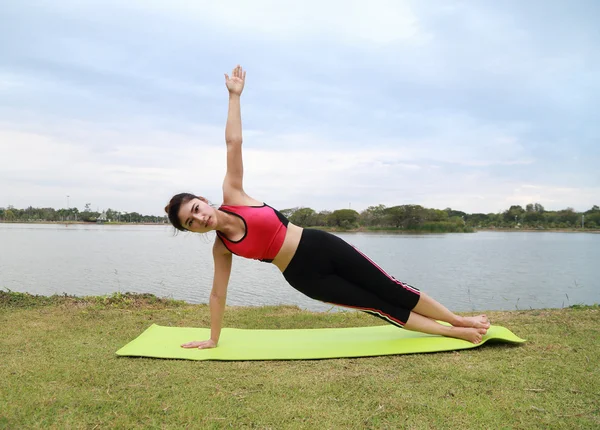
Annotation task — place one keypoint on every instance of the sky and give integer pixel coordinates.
(471, 105)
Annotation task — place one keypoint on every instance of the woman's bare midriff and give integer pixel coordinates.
(289, 247)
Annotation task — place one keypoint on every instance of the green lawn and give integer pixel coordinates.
(59, 371)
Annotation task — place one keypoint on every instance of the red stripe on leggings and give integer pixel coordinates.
(380, 313)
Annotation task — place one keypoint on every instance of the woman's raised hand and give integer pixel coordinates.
(200, 344)
(235, 83)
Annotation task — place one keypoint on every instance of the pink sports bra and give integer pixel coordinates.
(265, 232)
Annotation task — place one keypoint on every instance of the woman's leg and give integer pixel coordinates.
(356, 267)
(420, 323)
(430, 308)
(328, 269)
(337, 291)
(313, 272)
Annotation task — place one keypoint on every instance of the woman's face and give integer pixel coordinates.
(197, 216)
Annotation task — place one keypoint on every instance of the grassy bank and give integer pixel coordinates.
(552, 230)
(425, 228)
(83, 222)
(433, 227)
(59, 371)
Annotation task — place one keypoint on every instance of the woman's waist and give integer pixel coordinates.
(289, 247)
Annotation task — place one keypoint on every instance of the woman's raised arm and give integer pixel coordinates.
(233, 183)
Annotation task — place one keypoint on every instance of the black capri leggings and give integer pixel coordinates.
(328, 269)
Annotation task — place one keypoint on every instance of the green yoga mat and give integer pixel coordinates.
(298, 344)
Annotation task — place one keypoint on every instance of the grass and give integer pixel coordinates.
(438, 227)
(432, 227)
(59, 371)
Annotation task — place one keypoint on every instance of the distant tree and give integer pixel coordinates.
(303, 217)
(592, 219)
(533, 217)
(344, 218)
(479, 219)
(415, 215)
(135, 217)
(112, 215)
(288, 212)
(373, 215)
(396, 216)
(321, 219)
(567, 217)
(534, 214)
(48, 214)
(406, 216)
(514, 213)
(436, 215)
(452, 212)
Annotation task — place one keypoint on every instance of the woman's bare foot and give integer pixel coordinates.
(474, 335)
(480, 321)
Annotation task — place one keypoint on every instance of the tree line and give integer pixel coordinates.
(31, 214)
(416, 217)
(402, 217)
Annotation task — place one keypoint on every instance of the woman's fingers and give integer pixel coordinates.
(199, 344)
(235, 83)
(194, 344)
(237, 72)
(190, 345)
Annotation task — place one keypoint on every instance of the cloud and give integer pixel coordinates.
(135, 170)
(9, 82)
(352, 103)
(552, 197)
(377, 22)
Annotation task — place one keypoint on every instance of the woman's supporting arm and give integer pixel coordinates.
(218, 295)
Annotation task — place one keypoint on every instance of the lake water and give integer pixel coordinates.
(466, 272)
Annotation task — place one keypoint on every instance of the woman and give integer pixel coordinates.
(317, 263)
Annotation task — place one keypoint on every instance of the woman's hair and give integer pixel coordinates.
(172, 209)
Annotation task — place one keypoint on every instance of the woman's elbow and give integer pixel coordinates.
(218, 296)
(233, 140)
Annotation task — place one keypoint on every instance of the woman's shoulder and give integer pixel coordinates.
(240, 199)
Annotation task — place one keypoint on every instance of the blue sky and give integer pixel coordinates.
(471, 105)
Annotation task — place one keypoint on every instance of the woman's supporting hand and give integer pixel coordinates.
(200, 344)
(235, 83)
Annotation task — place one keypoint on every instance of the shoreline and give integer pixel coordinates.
(83, 223)
(11, 299)
(338, 230)
(538, 230)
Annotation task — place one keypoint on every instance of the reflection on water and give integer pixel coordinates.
(466, 272)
